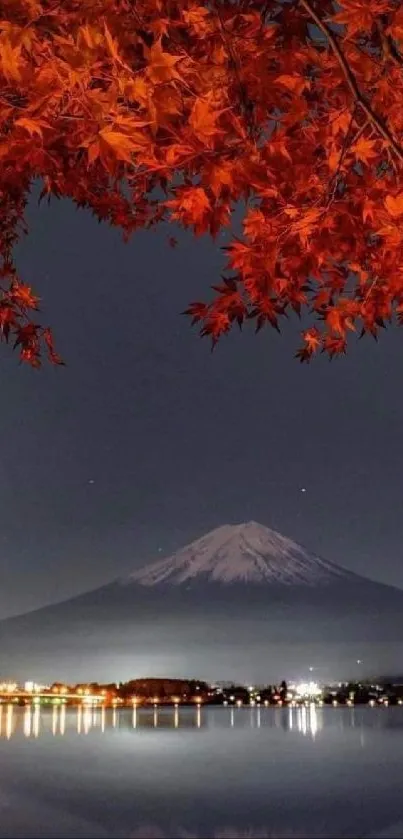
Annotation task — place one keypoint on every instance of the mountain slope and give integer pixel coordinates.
(242, 602)
(244, 553)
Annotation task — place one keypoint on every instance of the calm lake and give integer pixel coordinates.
(242, 772)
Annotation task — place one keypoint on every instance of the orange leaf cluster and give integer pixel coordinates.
(293, 108)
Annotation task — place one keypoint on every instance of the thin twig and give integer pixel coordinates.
(352, 81)
(360, 131)
(335, 179)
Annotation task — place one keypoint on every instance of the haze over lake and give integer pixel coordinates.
(240, 772)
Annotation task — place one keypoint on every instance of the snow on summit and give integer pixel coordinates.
(248, 553)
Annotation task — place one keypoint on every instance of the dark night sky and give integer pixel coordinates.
(147, 440)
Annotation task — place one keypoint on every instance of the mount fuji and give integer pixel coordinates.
(244, 553)
(243, 602)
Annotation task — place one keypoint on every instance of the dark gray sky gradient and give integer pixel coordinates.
(177, 440)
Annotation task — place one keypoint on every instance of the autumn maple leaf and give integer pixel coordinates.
(292, 83)
(394, 205)
(22, 295)
(10, 59)
(190, 207)
(203, 120)
(365, 150)
(312, 342)
(161, 65)
(149, 112)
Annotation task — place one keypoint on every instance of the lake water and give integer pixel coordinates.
(193, 773)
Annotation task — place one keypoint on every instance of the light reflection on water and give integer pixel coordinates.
(35, 719)
(188, 773)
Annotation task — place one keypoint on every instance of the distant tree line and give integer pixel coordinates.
(363, 693)
(190, 691)
(169, 691)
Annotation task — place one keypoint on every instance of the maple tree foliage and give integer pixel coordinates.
(155, 111)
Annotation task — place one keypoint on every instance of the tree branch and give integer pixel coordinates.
(388, 48)
(352, 81)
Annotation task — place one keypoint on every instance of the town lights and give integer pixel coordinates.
(308, 689)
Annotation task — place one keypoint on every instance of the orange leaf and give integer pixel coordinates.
(294, 83)
(312, 339)
(111, 43)
(161, 66)
(122, 145)
(203, 119)
(365, 149)
(137, 90)
(10, 58)
(33, 126)
(394, 205)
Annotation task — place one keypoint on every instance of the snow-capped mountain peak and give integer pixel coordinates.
(248, 553)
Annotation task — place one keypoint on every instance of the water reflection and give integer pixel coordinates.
(221, 773)
(32, 721)
(306, 721)
(7, 721)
